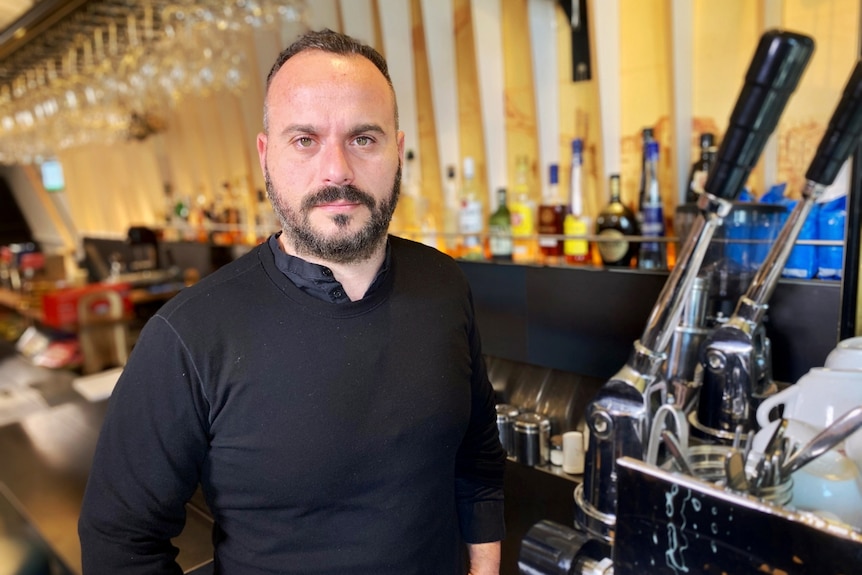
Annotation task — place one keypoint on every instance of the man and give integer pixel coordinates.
(327, 389)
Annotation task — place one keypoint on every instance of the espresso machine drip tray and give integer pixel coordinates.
(671, 524)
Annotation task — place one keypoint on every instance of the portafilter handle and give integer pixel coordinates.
(842, 133)
(618, 415)
(778, 64)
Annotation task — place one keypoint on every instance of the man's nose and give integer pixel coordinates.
(335, 166)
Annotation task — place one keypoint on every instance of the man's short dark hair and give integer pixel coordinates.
(327, 40)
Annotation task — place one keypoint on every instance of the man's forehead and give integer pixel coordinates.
(321, 64)
(312, 74)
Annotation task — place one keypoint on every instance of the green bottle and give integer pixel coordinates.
(500, 230)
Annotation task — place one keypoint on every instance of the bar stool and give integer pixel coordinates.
(102, 330)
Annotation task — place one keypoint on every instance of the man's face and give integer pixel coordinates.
(332, 155)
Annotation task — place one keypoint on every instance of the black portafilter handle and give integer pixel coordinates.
(779, 61)
(842, 133)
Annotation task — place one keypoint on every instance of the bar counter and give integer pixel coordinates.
(45, 459)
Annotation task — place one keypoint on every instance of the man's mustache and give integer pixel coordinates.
(331, 194)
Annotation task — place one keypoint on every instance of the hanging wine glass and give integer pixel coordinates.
(116, 65)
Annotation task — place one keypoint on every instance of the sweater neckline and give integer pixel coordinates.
(320, 307)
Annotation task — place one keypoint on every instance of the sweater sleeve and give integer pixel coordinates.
(147, 462)
(481, 460)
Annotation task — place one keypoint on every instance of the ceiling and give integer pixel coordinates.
(11, 10)
(47, 31)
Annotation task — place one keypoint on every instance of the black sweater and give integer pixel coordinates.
(354, 438)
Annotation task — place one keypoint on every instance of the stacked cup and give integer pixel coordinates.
(832, 484)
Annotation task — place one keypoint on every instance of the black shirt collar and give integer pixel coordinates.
(317, 280)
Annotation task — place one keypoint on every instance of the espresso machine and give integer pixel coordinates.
(614, 534)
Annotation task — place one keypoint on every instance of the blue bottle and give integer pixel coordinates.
(652, 255)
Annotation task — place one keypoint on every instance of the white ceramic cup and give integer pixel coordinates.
(830, 486)
(573, 452)
(853, 448)
(819, 397)
(846, 355)
(814, 403)
(799, 431)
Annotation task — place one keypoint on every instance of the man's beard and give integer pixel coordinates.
(343, 247)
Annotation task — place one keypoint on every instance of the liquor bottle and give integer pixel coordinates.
(451, 240)
(653, 255)
(266, 222)
(406, 216)
(523, 215)
(552, 214)
(428, 227)
(470, 214)
(500, 230)
(615, 222)
(646, 138)
(422, 220)
(231, 214)
(200, 218)
(577, 251)
(700, 168)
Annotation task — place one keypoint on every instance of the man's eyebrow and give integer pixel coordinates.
(365, 128)
(355, 131)
(299, 128)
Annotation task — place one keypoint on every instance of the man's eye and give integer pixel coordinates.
(362, 140)
(304, 142)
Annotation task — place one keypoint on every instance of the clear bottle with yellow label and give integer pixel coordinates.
(523, 210)
(471, 218)
(576, 250)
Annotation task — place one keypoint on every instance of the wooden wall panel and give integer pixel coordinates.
(486, 21)
(179, 149)
(201, 117)
(324, 14)
(249, 108)
(90, 202)
(725, 36)
(396, 26)
(546, 82)
(645, 88)
(358, 20)
(429, 158)
(682, 65)
(79, 189)
(519, 89)
(597, 118)
(471, 135)
(438, 23)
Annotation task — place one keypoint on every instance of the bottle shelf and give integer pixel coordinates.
(417, 235)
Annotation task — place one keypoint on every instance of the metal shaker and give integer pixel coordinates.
(506, 415)
(532, 439)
